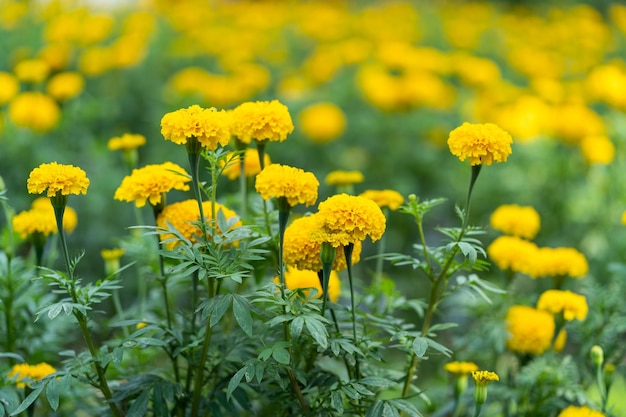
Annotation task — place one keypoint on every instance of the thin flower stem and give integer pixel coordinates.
(117, 304)
(440, 282)
(378, 276)
(477, 409)
(243, 186)
(199, 377)
(103, 385)
(347, 250)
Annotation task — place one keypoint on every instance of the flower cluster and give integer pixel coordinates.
(345, 219)
(571, 305)
(293, 184)
(482, 144)
(261, 121)
(511, 219)
(530, 330)
(209, 126)
(57, 179)
(149, 183)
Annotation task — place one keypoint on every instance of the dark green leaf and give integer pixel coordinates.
(336, 401)
(28, 400)
(375, 381)
(235, 381)
(159, 403)
(241, 311)
(140, 405)
(52, 393)
(281, 355)
(296, 327)
(221, 305)
(317, 330)
(376, 410)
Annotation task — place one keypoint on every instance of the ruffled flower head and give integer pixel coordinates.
(294, 184)
(209, 126)
(322, 122)
(481, 143)
(151, 182)
(184, 216)
(584, 411)
(24, 373)
(57, 179)
(261, 121)
(35, 111)
(514, 253)
(571, 305)
(460, 368)
(530, 330)
(345, 219)
(340, 178)
(511, 219)
(302, 252)
(555, 262)
(40, 219)
(384, 198)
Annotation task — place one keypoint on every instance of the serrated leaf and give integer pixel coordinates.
(376, 410)
(241, 311)
(235, 381)
(159, 403)
(52, 393)
(375, 381)
(406, 407)
(28, 401)
(420, 345)
(390, 411)
(140, 405)
(295, 327)
(336, 401)
(221, 305)
(55, 310)
(317, 331)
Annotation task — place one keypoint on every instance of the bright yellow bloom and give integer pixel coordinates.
(345, 219)
(522, 221)
(57, 179)
(151, 182)
(571, 305)
(24, 373)
(584, 411)
(623, 219)
(340, 178)
(112, 254)
(32, 70)
(553, 262)
(65, 85)
(530, 330)
(483, 377)
(184, 216)
(96, 60)
(295, 278)
(481, 143)
(126, 142)
(251, 164)
(302, 252)
(385, 198)
(141, 325)
(9, 87)
(261, 121)
(34, 221)
(35, 111)
(597, 149)
(294, 184)
(209, 126)
(460, 368)
(322, 122)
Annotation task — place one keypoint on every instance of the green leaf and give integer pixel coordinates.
(317, 330)
(376, 410)
(52, 393)
(469, 251)
(375, 381)
(140, 405)
(241, 311)
(420, 345)
(159, 403)
(439, 347)
(235, 381)
(406, 407)
(336, 401)
(28, 400)
(55, 310)
(281, 355)
(221, 305)
(390, 411)
(296, 327)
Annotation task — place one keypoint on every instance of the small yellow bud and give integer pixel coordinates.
(597, 355)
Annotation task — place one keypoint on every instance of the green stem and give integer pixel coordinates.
(347, 250)
(117, 304)
(283, 217)
(243, 186)
(439, 283)
(477, 409)
(327, 255)
(378, 275)
(199, 377)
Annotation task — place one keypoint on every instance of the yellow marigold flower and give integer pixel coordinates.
(514, 253)
(65, 85)
(209, 126)
(481, 143)
(35, 111)
(522, 221)
(70, 219)
(151, 182)
(295, 278)
(96, 60)
(294, 184)
(584, 411)
(597, 149)
(32, 70)
(345, 219)
(555, 262)
(384, 198)
(571, 305)
(559, 342)
(184, 215)
(9, 87)
(322, 122)
(302, 252)
(24, 373)
(34, 221)
(483, 377)
(57, 179)
(460, 368)
(251, 164)
(126, 142)
(530, 330)
(112, 254)
(261, 121)
(340, 178)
